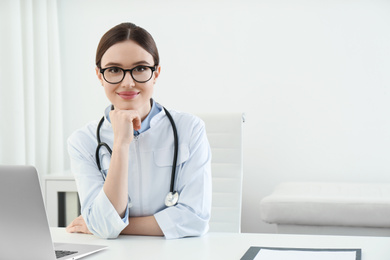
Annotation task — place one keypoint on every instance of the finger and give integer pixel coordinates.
(133, 117)
(76, 222)
(71, 229)
(74, 229)
(137, 123)
(70, 226)
(78, 229)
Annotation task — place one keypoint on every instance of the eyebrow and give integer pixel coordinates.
(142, 62)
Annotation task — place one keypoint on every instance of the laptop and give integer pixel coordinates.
(24, 228)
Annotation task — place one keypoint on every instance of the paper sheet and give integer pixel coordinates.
(269, 254)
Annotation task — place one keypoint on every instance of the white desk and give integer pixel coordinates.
(219, 245)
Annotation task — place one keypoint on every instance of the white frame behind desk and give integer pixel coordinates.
(219, 245)
(52, 185)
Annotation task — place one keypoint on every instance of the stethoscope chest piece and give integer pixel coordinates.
(171, 199)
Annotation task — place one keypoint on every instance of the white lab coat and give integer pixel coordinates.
(150, 165)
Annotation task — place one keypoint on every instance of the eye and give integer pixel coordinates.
(114, 70)
(140, 68)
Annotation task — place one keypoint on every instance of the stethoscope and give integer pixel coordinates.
(173, 196)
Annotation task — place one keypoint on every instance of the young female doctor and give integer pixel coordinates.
(142, 169)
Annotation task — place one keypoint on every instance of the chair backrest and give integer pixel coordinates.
(224, 132)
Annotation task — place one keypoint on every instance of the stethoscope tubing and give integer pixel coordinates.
(100, 144)
(175, 155)
(176, 145)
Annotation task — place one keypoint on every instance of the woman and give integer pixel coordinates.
(137, 175)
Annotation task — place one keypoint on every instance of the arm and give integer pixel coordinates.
(103, 203)
(116, 184)
(99, 216)
(146, 226)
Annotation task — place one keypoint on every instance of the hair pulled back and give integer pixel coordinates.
(123, 32)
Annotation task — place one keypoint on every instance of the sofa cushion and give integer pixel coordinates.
(328, 204)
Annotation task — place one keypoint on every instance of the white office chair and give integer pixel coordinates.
(224, 132)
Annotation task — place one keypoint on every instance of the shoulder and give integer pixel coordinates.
(190, 128)
(186, 120)
(84, 136)
(182, 120)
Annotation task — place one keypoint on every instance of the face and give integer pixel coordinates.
(128, 94)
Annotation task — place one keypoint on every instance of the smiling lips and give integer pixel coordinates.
(128, 94)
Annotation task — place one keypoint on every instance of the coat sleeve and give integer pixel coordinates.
(98, 212)
(191, 215)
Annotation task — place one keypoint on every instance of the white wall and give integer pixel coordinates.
(312, 77)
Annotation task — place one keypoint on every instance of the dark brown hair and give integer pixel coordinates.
(123, 32)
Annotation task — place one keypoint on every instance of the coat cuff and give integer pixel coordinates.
(166, 224)
(104, 220)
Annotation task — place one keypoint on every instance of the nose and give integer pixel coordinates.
(128, 80)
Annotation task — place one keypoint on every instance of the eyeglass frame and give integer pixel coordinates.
(153, 69)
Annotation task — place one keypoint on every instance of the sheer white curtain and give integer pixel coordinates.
(31, 130)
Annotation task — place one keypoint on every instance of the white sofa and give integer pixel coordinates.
(329, 208)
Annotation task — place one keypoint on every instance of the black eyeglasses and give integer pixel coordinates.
(140, 74)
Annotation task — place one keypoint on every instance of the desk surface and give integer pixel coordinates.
(219, 245)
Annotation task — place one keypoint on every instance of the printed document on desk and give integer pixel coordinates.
(277, 253)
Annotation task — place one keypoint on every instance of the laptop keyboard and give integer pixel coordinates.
(61, 253)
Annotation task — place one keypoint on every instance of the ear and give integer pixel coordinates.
(157, 73)
(99, 75)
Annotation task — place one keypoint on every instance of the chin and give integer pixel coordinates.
(125, 107)
(131, 104)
